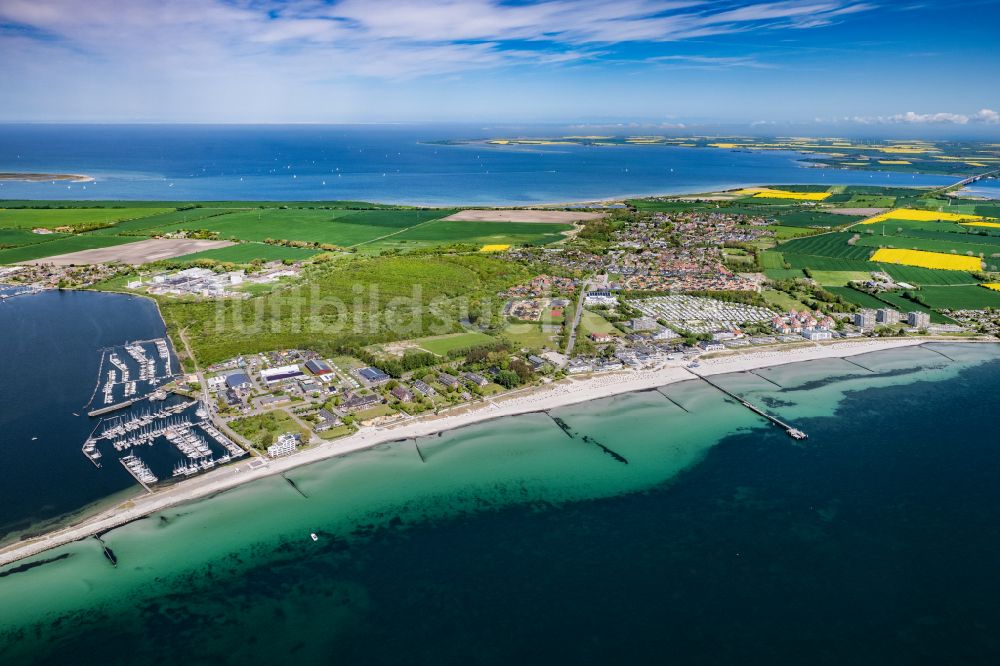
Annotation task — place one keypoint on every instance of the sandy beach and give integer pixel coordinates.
(557, 394)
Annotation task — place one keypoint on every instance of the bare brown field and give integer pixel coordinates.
(140, 252)
(549, 216)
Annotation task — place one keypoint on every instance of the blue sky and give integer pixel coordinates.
(821, 63)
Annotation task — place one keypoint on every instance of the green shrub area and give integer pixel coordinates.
(353, 302)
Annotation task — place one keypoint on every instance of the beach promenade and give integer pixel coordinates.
(557, 394)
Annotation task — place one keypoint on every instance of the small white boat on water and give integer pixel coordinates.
(313, 536)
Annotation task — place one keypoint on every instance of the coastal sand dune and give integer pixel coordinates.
(568, 392)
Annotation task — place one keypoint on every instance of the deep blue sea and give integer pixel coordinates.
(391, 164)
(721, 541)
(50, 353)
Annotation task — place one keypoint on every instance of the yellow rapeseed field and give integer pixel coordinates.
(915, 215)
(993, 225)
(494, 248)
(768, 193)
(895, 162)
(995, 286)
(939, 260)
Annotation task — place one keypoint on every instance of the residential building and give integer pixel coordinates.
(424, 388)
(817, 334)
(447, 380)
(918, 319)
(285, 445)
(600, 297)
(888, 316)
(352, 402)
(373, 376)
(601, 338)
(478, 380)
(865, 319)
(402, 394)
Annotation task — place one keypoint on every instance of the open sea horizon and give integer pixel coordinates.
(398, 164)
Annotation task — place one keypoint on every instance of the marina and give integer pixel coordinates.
(136, 369)
(184, 426)
(138, 469)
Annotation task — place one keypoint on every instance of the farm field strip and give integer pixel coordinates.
(51, 218)
(936, 260)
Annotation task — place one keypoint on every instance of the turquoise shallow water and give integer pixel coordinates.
(720, 539)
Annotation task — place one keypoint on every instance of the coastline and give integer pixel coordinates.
(558, 394)
(15, 177)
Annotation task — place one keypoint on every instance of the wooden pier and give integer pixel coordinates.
(793, 432)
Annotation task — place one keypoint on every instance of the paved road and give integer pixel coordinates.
(209, 403)
(571, 338)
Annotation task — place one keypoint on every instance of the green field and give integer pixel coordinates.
(815, 219)
(859, 298)
(172, 219)
(263, 429)
(244, 253)
(444, 232)
(963, 244)
(61, 245)
(29, 218)
(819, 263)
(783, 273)
(530, 336)
(960, 298)
(771, 260)
(926, 276)
(591, 322)
(443, 344)
(19, 237)
(358, 300)
(784, 233)
(781, 300)
(827, 245)
(345, 228)
(839, 278)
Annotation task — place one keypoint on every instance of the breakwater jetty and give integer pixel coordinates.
(792, 431)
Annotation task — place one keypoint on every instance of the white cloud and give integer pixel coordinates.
(236, 57)
(390, 37)
(941, 118)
